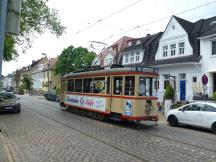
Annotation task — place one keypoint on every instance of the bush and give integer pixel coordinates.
(214, 95)
(169, 93)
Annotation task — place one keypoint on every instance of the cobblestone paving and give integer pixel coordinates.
(43, 132)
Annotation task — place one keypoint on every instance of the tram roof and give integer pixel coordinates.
(110, 71)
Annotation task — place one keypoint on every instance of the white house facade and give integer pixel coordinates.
(208, 53)
(179, 61)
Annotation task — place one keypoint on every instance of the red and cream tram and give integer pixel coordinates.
(116, 93)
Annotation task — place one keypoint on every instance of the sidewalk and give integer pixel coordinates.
(4, 152)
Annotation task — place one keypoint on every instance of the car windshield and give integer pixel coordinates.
(7, 95)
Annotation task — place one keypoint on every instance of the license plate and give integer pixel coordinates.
(8, 108)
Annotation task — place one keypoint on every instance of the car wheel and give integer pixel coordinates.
(172, 121)
(18, 110)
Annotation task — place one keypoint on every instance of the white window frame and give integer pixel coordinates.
(126, 58)
(137, 57)
(172, 49)
(181, 49)
(165, 51)
(132, 57)
(213, 54)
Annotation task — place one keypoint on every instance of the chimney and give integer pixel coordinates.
(148, 35)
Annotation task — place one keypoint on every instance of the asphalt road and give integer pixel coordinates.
(44, 132)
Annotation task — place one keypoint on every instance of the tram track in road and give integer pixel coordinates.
(116, 125)
(89, 136)
(134, 127)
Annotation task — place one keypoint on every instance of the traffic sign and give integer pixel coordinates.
(204, 79)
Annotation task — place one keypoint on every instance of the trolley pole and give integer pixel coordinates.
(3, 14)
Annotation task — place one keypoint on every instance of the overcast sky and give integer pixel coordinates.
(77, 15)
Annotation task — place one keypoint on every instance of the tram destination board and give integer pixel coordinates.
(144, 69)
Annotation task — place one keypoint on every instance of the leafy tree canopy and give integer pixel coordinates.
(73, 59)
(36, 18)
(26, 82)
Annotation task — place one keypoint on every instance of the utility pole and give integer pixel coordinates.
(3, 15)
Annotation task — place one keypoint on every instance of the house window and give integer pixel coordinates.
(132, 57)
(182, 76)
(181, 48)
(194, 79)
(165, 51)
(213, 47)
(126, 58)
(173, 49)
(137, 56)
(129, 44)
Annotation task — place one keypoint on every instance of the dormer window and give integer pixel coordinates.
(165, 51)
(108, 60)
(110, 49)
(181, 47)
(129, 44)
(132, 57)
(126, 58)
(137, 56)
(138, 42)
(173, 49)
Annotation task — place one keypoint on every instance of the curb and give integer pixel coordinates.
(6, 148)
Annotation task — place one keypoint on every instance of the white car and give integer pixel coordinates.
(201, 114)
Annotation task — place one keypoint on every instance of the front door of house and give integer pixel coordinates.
(214, 82)
(182, 90)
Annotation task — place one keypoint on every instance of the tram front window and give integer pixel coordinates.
(99, 85)
(117, 89)
(129, 85)
(145, 86)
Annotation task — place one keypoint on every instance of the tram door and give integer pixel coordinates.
(117, 91)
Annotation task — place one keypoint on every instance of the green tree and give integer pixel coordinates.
(26, 83)
(36, 18)
(73, 59)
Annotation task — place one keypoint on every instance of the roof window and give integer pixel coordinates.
(212, 23)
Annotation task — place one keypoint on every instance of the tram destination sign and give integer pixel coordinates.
(144, 69)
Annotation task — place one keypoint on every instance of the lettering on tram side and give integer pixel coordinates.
(95, 103)
(128, 108)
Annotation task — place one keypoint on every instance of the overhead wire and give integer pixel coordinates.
(158, 20)
(106, 17)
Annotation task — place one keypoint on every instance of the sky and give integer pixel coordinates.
(117, 18)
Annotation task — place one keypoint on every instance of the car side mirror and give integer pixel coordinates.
(181, 110)
(18, 98)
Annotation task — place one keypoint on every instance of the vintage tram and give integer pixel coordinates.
(124, 93)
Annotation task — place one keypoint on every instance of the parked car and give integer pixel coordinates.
(9, 102)
(201, 114)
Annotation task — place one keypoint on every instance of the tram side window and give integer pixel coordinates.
(99, 85)
(70, 85)
(129, 85)
(145, 86)
(87, 85)
(78, 85)
(117, 89)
